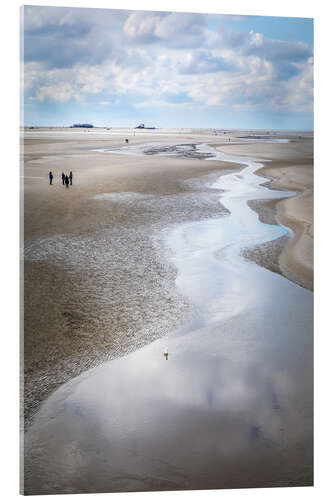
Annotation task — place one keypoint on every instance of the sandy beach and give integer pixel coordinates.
(290, 167)
(75, 316)
(63, 334)
(132, 253)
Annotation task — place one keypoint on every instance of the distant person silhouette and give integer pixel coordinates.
(51, 178)
(126, 140)
(63, 178)
(66, 181)
(71, 177)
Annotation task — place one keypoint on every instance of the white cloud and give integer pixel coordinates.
(61, 92)
(141, 25)
(31, 75)
(174, 29)
(176, 23)
(154, 58)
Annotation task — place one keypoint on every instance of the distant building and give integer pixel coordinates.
(82, 125)
(142, 125)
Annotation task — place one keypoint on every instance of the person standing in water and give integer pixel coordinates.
(63, 178)
(51, 178)
(71, 177)
(66, 181)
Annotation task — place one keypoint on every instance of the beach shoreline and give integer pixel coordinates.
(79, 313)
(233, 368)
(289, 167)
(135, 197)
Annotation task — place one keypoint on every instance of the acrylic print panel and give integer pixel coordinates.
(168, 251)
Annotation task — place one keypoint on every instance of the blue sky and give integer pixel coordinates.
(120, 68)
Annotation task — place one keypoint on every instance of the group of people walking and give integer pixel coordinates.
(67, 180)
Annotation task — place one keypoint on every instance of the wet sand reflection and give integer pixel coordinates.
(231, 408)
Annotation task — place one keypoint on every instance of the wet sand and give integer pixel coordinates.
(63, 334)
(97, 282)
(238, 381)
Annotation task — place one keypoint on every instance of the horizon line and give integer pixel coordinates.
(174, 127)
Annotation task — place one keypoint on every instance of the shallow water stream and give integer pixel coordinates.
(231, 406)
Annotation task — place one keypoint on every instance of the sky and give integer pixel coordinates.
(121, 68)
